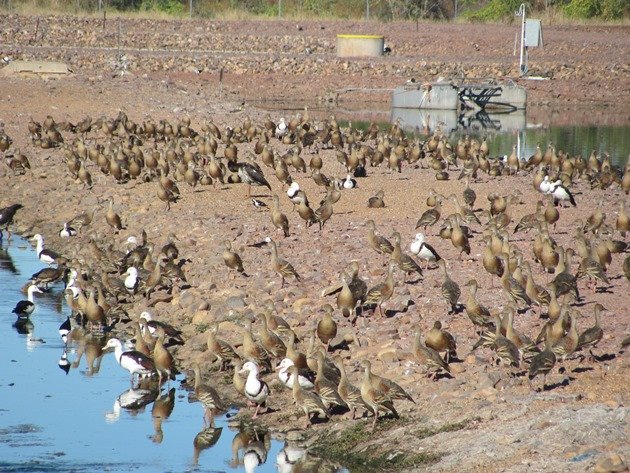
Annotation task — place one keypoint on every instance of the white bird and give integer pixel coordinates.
(305, 378)
(67, 231)
(26, 308)
(44, 255)
(561, 193)
(258, 203)
(256, 391)
(349, 183)
(296, 195)
(545, 185)
(131, 281)
(281, 129)
(132, 360)
(423, 250)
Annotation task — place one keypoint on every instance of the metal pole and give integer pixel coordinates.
(280, 8)
(455, 15)
(191, 8)
(522, 12)
(367, 10)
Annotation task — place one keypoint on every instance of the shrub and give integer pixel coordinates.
(496, 10)
(171, 7)
(583, 8)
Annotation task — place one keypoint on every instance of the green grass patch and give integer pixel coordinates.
(349, 449)
(424, 432)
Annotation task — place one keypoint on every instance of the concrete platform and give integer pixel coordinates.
(47, 68)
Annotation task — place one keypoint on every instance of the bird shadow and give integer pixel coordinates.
(582, 369)
(415, 281)
(605, 357)
(603, 290)
(443, 375)
(565, 382)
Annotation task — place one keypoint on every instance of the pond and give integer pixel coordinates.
(521, 128)
(73, 410)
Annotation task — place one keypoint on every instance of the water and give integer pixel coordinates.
(501, 130)
(52, 421)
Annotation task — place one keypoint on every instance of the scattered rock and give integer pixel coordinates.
(611, 463)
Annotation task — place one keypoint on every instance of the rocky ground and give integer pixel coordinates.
(480, 419)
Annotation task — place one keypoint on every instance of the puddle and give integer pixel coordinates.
(75, 411)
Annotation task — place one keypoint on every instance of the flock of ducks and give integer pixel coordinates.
(164, 155)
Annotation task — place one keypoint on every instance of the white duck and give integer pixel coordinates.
(256, 391)
(44, 255)
(131, 281)
(67, 231)
(423, 250)
(545, 185)
(305, 378)
(349, 183)
(281, 129)
(26, 308)
(132, 360)
(561, 193)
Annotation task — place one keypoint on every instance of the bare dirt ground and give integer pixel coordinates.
(482, 418)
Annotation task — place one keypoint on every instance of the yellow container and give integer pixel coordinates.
(360, 45)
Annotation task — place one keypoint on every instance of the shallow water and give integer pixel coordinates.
(52, 421)
(502, 130)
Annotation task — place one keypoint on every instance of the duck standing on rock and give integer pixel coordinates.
(232, 259)
(67, 231)
(423, 250)
(377, 202)
(281, 266)
(349, 183)
(256, 391)
(561, 194)
(379, 393)
(310, 402)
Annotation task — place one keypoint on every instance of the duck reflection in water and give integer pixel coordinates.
(205, 439)
(91, 346)
(63, 362)
(6, 262)
(295, 458)
(162, 409)
(254, 443)
(134, 400)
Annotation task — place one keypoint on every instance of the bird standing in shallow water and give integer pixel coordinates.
(6, 218)
(25, 308)
(45, 255)
(133, 361)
